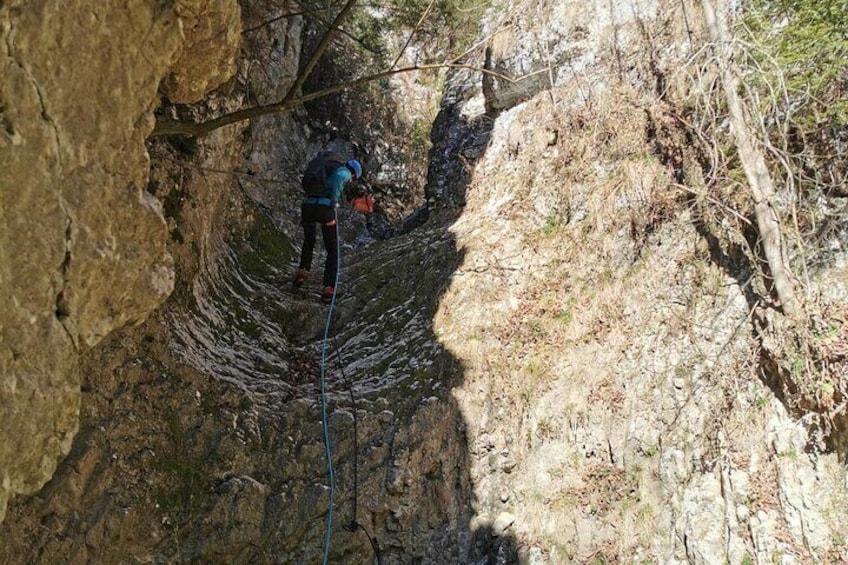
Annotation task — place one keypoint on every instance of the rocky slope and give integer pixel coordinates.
(618, 399)
(566, 363)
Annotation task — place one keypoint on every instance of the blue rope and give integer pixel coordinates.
(327, 446)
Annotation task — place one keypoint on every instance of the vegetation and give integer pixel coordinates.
(267, 248)
(187, 483)
(796, 56)
(450, 25)
(784, 93)
(438, 27)
(802, 45)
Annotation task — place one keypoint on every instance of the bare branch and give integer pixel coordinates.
(291, 100)
(753, 163)
(412, 33)
(273, 20)
(392, 72)
(199, 129)
(319, 51)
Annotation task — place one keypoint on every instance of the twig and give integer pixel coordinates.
(412, 33)
(319, 51)
(219, 171)
(715, 201)
(275, 19)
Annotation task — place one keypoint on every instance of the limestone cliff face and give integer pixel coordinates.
(82, 243)
(212, 32)
(616, 406)
(205, 418)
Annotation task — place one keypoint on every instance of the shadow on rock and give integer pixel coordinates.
(201, 430)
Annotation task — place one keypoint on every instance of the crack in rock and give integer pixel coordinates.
(42, 99)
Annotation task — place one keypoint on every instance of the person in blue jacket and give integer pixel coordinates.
(322, 210)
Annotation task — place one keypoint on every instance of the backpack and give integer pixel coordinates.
(319, 168)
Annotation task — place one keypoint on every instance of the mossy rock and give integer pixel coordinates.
(266, 250)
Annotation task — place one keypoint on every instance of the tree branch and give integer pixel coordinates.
(754, 165)
(360, 41)
(319, 51)
(199, 129)
(272, 20)
(412, 33)
(290, 101)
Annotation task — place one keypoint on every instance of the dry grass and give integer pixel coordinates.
(592, 196)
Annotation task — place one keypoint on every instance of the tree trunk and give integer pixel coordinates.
(754, 165)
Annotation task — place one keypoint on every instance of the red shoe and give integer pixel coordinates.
(327, 295)
(299, 278)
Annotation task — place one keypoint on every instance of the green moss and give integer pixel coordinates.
(186, 483)
(806, 38)
(267, 248)
(552, 223)
(566, 314)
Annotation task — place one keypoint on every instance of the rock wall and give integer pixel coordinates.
(204, 419)
(82, 243)
(212, 34)
(615, 404)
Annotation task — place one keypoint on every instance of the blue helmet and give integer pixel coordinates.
(354, 166)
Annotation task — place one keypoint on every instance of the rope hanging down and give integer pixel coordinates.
(354, 524)
(327, 446)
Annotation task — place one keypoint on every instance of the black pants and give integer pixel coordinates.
(311, 214)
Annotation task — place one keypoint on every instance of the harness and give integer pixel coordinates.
(321, 201)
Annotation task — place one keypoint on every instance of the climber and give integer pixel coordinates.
(323, 183)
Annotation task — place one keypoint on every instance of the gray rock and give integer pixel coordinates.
(742, 513)
(503, 522)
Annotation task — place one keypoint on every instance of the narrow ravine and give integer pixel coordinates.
(556, 329)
